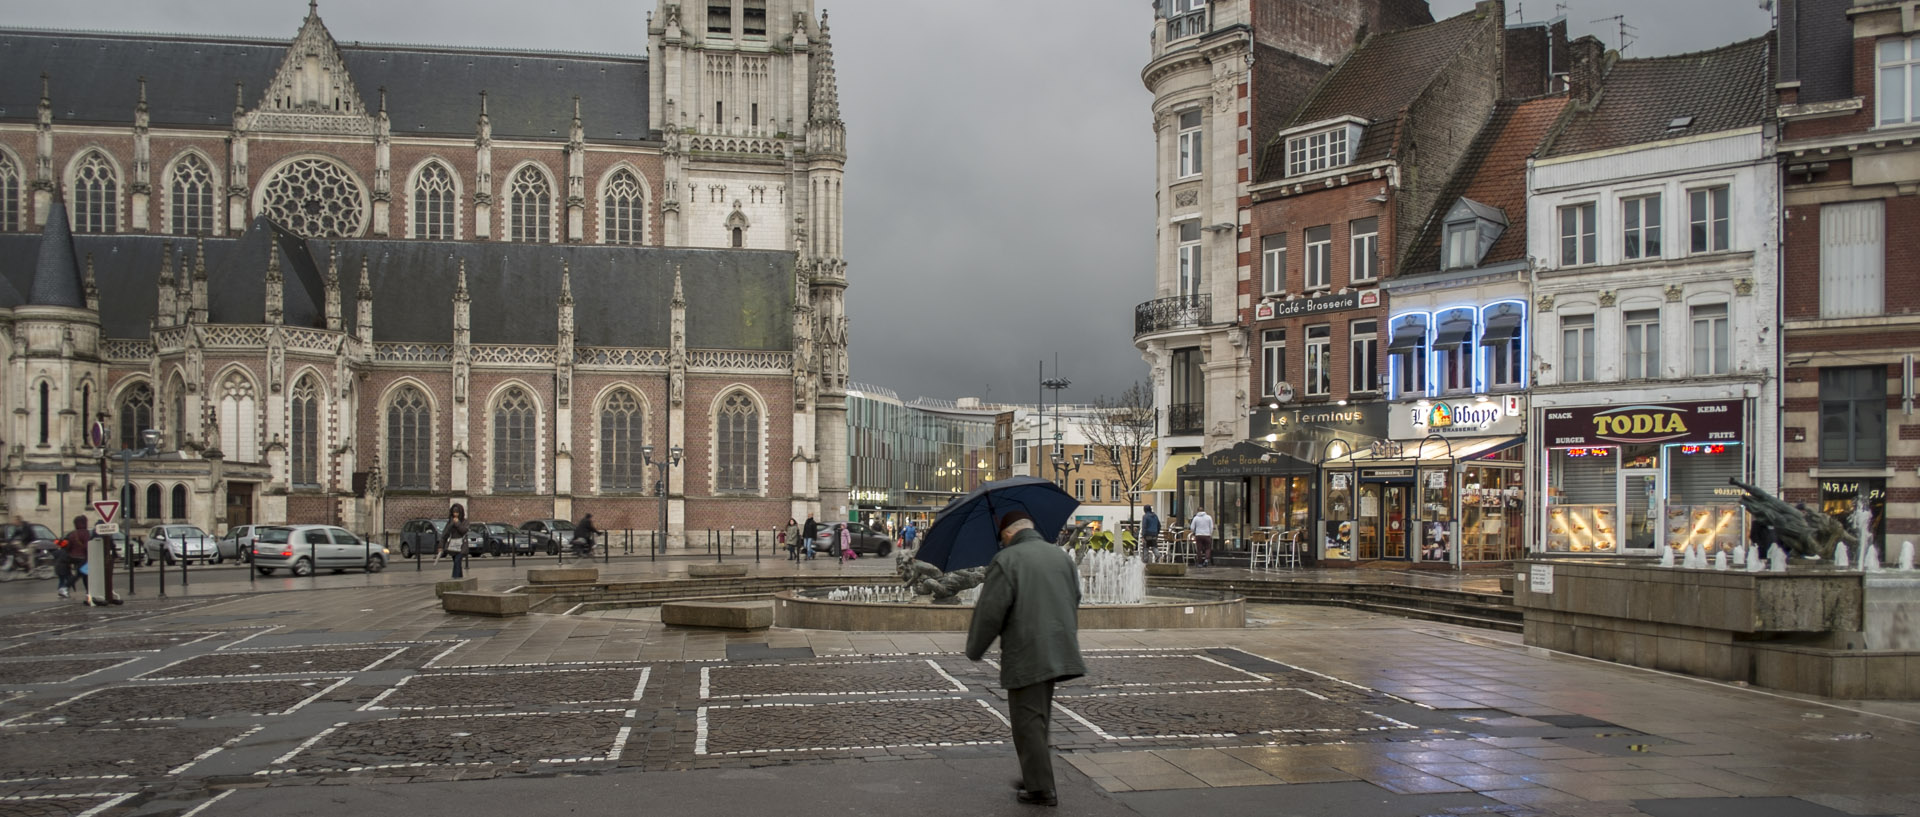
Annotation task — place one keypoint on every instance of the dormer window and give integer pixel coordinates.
(1472, 228)
(1322, 148)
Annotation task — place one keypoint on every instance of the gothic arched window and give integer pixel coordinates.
(9, 194)
(739, 238)
(624, 209)
(513, 441)
(239, 419)
(96, 195)
(180, 424)
(622, 428)
(530, 206)
(46, 411)
(192, 196)
(305, 442)
(316, 198)
(179, 502)
(153, 501)
(136, 414)
(433, 202)
(409, 441)
(736, 433)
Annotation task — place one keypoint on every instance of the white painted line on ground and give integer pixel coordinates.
(316, 696)
(641, 688)
(251, 637)
(996, 712)
(388, 657)
(957, 686)
(114, 801)
(203, 806)
(308, 743)
(215, 750)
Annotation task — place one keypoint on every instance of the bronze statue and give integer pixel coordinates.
(1804, 532)
(927, 580)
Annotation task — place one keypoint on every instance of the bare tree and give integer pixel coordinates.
(1121, 432)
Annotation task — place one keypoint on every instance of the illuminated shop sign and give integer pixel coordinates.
(1473, 417)
(1702, 424)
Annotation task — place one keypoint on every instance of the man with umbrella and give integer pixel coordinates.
(1029, 601)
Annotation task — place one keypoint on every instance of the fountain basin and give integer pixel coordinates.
(808, 610)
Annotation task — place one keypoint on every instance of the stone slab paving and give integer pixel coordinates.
(1160, 669)
(87, 644)
(1296, 714)
(56, 670)
(871, 676)
(66, 805)
(521, 688)
(93, 755)
(283, 662)
(766, 729)
(131, 703)
(462, 740)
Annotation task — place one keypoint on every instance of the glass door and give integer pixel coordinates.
(1640, 490)
(1371, 527)
(1395, 500)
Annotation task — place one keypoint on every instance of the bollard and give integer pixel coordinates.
(606, 547)
(183, 564)
(756, 545)
(130, 573)
(733, 541)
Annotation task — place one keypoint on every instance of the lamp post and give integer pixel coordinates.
(1065, 465)
(149, 444)
(1056, 385)
(671, 460)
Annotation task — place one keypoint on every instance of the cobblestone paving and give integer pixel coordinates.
(98, 644)
(162, 702)
(68, 806)
(1160, 670)
(465, 739)
(1300, 715)
(758, 728)
(281, 662)
(519, 689)
(52, 671)
(832, 678)
(141, 752)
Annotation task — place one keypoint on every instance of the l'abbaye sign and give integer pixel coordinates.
(1500, 417)
(1718, 421)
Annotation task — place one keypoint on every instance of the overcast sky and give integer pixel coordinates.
(1000, 168)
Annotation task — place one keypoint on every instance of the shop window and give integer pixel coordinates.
(1640, 344)
(1702, 507)
(1576, 349)
(1320, 360)
(1710, 339)
(1853, 416)
(1583, 494)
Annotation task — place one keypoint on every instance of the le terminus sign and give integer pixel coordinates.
(1717, 421)
(1330, 302)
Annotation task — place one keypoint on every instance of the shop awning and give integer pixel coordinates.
(1169, 478)
(1452, 333)
(1247, 459)
(1407, 337)
(1428, 452)
(1501, 328)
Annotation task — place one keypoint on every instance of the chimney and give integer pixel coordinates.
(1589, 64)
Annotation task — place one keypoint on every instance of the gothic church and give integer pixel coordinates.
(353, 283)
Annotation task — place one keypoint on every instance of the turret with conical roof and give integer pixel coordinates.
(56, 276)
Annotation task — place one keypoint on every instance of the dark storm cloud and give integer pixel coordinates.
(1000, 172)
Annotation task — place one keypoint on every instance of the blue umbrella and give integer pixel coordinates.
(963, 534)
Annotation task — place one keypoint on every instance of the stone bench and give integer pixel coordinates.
(563, 575)
(455, 586)
(715, 570)
(751, 615)
(485, 604)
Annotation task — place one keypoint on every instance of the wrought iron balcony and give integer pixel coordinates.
(1177, 312)
(1186, 418)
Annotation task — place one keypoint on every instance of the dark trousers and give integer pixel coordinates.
(1032, 709)
(1203, 547)
(64, 570)
(459, 561)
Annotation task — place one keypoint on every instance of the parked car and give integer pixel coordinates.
(302, 549)
(238, 543)
(500, 539)
(549, 535)
(171, 543)
(36, 533)
(866, 541)
(421, 536)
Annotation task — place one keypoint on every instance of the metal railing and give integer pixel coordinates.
(1186, 418)
(1177, 312)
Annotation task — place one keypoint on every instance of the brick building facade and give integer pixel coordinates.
(354, 283)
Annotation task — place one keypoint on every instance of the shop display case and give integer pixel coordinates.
(1713, 527)
(1581, 529)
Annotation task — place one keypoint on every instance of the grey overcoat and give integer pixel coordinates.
(1030, 600)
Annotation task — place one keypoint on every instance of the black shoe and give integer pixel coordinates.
(1036, 798)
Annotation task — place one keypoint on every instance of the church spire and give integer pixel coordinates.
(824, 107)
(166, 286)
(333, 290)
(90, 286)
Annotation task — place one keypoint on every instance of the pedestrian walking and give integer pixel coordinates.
(808, 533)
(584, 535)
(1203, 537)
(1030, 601)
(908, 534)
(1149, 531)
(453, 539)
(69, 564)
(790, 537)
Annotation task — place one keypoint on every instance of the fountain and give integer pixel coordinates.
(1113, 596)
(1906, 555)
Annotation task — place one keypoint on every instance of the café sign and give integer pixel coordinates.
(1503, 416)
(1331, 302)
(1718, 421)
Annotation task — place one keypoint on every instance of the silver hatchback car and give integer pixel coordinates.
(302, 549)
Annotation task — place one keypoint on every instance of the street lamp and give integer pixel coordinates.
(1065, 465)
(149, 445)
(671, 460)
(1056, 385)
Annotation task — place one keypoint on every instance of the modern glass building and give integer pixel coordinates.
(914, 458)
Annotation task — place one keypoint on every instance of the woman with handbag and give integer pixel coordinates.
(453, 538)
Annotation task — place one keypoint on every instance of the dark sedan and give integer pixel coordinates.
(497, 539)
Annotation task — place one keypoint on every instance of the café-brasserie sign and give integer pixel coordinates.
(1645, 424)
(1330, 302)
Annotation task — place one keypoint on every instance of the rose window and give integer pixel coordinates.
(316, 198)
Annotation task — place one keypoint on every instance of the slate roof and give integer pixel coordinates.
(1722, 89)
(1493, 174)
(56, 269)
(241, 296)
(430, 90)
(1378, 81)
(736, 299)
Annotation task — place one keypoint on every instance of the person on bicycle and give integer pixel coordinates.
(583, 537)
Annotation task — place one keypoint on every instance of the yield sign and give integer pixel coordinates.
(107, 509)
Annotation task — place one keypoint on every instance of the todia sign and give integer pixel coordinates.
(1664, 423)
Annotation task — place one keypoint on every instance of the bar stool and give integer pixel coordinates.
(1260, 551)
(1287, 549)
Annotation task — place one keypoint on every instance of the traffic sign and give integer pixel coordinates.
(106, 528)
(107, 509)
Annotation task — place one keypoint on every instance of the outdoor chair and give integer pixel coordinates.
(1286, 549)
